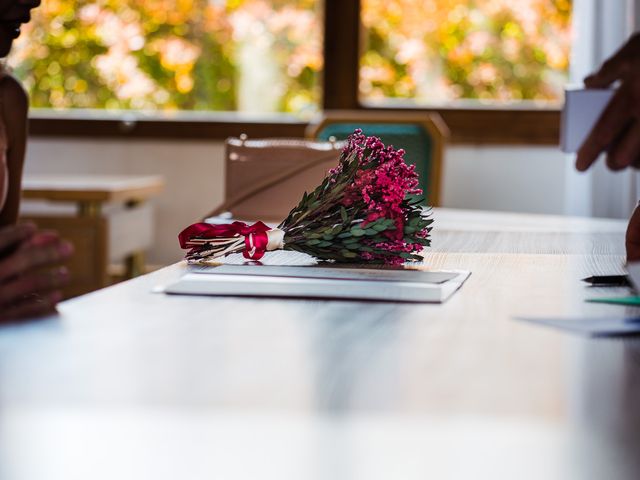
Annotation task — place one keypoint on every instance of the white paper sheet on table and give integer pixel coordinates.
(282, 275)
(633, 269)
(594, 327)
(598, 326)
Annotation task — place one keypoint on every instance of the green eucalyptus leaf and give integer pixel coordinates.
(343, 214)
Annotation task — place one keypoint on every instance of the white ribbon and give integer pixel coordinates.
(276, 239)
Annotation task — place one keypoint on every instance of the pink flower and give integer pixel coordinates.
(381, 192)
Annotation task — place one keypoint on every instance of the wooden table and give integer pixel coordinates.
(109, 221)
(129, 384)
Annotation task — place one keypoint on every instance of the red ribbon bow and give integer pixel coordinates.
(255, 236)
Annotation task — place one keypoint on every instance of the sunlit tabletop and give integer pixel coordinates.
(129, 384)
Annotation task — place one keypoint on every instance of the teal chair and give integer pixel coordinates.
(421, 135)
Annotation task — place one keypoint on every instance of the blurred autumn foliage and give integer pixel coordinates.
(266, 55)
(434, 51)
(166, 54)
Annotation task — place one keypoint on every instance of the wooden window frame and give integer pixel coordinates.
(342, 41)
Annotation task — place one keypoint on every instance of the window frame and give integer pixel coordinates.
(513, 125)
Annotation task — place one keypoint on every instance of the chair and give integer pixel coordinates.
(421, 135)
(266, 178)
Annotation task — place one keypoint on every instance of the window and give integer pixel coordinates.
(230, 55)
(476, 62)
(438, 51)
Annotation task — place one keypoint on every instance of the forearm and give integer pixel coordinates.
(15, 164)
(14, 116)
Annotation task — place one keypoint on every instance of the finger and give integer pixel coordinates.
(13, 235)
(632, 239)
(626, 150)
(40, 282)
(32, 307)
(42, 238)
(25, 260)
(615, 67)
(610, 125)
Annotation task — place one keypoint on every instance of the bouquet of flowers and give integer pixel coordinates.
(367, 209)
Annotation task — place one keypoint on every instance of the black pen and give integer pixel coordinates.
(608, 280)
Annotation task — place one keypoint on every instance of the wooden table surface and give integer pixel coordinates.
(95, 187)
(129, 384)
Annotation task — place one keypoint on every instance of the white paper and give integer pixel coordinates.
(406, 274)
(595, 327)
(277, 257)
(633, 269)
(582, 109)
(304, 287)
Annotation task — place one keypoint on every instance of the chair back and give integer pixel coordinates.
(266, 178)
(421, 135)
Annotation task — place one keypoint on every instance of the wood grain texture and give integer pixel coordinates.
(153, 386)
(479, 126)
(178, 126)
(342, 49)
(91, 188)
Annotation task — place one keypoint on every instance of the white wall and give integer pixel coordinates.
(193, 172)
(515, 179)
(497, 178)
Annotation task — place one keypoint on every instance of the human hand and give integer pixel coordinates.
(618, 129)
(30, 275)
(632, 239)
